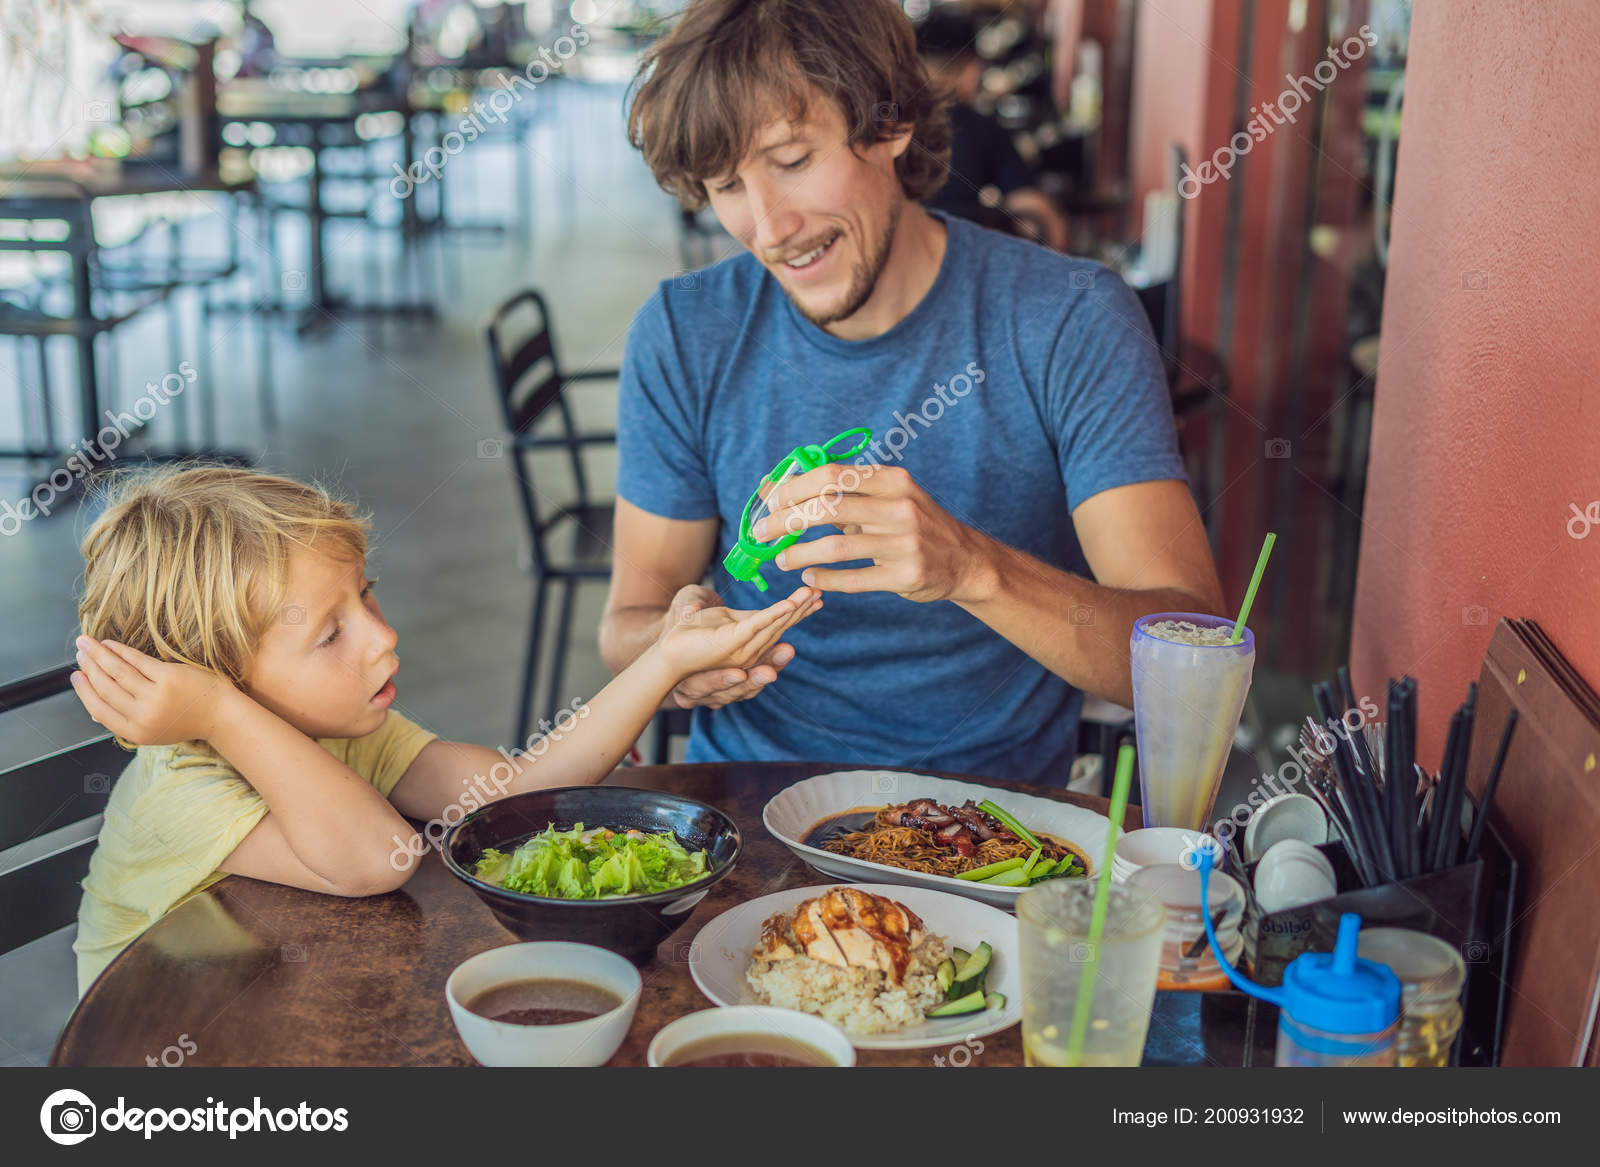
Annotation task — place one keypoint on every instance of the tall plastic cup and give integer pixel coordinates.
(1187, 698)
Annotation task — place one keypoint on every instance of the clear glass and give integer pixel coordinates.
(1186, 704)
(1301, 1045)
(1053, 921)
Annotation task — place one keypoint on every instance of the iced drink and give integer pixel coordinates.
(1189, 686)
(1053, 925)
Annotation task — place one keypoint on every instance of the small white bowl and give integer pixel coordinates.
(589, 1042)
(827, 1038)
(1293, 873)
(1286, 816)
(1151, 845)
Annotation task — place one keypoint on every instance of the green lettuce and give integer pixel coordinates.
(588, 865)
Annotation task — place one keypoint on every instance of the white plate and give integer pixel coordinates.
(795, 810)
(720, 955)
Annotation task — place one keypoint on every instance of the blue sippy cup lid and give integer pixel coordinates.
(1339, 992)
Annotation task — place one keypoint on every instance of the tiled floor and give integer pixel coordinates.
(394, 414)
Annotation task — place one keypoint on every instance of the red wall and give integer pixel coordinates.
(1487, 422)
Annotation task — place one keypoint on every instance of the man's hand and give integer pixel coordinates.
(717, 687)
(143, 700)
(918, 551)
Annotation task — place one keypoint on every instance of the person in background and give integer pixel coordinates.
(982, 156)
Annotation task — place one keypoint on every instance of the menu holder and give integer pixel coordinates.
(1468, 906)
(1547, 807)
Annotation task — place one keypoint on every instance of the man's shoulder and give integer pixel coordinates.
(722, 290)
(1040, 271)
(1033, 284)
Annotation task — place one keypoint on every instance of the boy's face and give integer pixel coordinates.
(804, 193)
(326, 664)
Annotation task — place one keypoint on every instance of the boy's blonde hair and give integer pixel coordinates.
(189, 563)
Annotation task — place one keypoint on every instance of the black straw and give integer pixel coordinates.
(1350, 786)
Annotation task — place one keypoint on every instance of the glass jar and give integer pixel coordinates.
(1432, 975)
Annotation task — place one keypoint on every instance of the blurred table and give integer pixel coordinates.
(63, 190)
(256, 974)
(310, 115)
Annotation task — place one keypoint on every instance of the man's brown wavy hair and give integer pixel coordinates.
(729, 67)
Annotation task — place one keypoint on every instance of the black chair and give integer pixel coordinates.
(571, 544)
(63, 789)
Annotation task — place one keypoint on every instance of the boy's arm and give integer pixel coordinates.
(445, 772)
(326, 829)
(605, 729)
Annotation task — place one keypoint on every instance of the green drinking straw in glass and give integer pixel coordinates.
(1102, 897)
(1255, 582)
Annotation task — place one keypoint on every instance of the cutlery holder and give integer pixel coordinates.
(1469, 906)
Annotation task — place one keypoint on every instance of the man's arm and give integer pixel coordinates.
(1145, 544)
(652, 560)
(657, 565)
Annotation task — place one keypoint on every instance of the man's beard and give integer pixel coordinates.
(863, 280)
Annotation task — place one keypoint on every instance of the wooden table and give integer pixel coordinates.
(256, 974)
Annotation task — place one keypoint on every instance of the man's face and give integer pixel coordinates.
(818, 214)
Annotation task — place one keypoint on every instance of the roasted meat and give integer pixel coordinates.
(847, 928)
(962, 827)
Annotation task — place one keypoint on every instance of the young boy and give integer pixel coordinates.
(231, 634)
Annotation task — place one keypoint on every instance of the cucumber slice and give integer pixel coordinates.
(975, 965)
(995, 1001)
(959, 955)
(971, 1003)
(946, 975)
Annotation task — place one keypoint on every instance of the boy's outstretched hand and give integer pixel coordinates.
(143, 700)
(726, 638)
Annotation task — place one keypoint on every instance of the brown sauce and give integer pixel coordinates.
(750, 1049)
(543, 1002)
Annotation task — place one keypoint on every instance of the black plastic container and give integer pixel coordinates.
(631, 926)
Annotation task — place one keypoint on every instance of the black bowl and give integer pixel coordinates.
(631, 926)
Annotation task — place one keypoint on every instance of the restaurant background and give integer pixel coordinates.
(1276, 276)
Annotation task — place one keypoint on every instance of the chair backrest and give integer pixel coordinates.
(528, 383)
(47, 807)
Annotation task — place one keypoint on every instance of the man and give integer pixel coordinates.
(984, 162)
(1023, 501)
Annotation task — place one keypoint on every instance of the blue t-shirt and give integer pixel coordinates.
(1023, 383)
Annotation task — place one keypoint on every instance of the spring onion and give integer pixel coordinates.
(989, 869)
(1009, 823)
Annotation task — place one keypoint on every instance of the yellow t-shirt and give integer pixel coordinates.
(179, 811)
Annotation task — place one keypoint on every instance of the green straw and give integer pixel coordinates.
(1255, 582)
(1102, 897)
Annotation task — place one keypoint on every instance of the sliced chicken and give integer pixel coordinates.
(811, 929)
(777, 939)
(847, 928)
